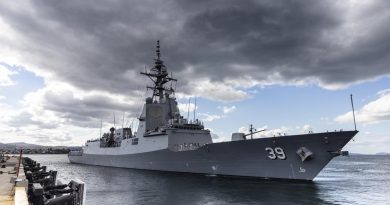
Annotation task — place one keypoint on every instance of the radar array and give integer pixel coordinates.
(159, 75)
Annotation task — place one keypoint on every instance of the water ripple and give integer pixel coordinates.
(357, 180)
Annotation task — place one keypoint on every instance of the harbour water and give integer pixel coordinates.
(357, 179)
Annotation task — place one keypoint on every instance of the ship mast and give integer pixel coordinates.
(159, 75)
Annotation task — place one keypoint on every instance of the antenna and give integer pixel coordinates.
(158, 50)
(171, 81)
(175, 85)
(159, 76)
(195, 108)
(188, 109)
(257, 131)
(101, 125)
(114, 120)
(353, 112)
(123, 120)
(251, 129)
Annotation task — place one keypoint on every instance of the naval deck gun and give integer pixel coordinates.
(243, 136)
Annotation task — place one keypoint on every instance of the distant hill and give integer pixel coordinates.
(23, 145)
(379, 153)
(382, 153)
(356, 154)
(6, 146)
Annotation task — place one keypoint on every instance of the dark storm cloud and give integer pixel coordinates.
(103, 45)
(289, 37)
(25, 118)
(88, 111)
(268, 37)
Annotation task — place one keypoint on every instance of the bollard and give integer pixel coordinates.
(42, 188)
(37, 195)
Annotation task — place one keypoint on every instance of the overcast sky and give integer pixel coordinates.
(288, 66)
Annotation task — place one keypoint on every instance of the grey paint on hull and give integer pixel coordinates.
(247, 158)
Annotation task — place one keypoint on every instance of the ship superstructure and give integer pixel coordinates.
(166, 141)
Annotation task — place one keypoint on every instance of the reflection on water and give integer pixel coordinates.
(346, 180)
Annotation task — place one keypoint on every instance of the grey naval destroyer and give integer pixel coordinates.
(166, 141)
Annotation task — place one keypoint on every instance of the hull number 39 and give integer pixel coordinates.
(275, 153)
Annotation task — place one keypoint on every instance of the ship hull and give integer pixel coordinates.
(245, 158)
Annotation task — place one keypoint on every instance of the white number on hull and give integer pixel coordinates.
(279, 153)
(271, 153)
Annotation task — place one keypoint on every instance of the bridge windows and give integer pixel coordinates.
(134, 141)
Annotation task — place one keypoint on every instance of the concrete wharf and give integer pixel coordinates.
(13, 184)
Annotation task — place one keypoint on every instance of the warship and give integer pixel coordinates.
(167, 141)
